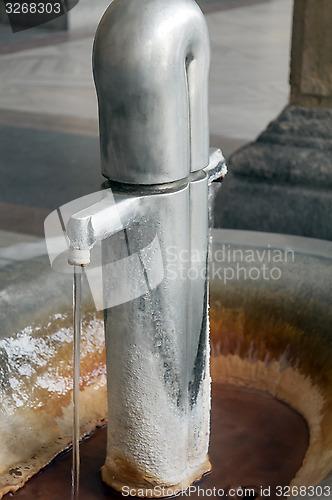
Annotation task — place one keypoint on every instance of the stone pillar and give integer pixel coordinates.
(311, 61)
(282, 182)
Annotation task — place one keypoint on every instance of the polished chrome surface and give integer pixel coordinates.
(151, 61)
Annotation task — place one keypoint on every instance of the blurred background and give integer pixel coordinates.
(49, 149)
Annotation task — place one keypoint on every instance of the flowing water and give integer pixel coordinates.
(77, 312)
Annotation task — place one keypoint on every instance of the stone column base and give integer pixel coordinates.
(282, 182)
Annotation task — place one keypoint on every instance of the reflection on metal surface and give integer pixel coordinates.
(151, 62)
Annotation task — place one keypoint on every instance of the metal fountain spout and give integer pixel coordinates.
(151, 64)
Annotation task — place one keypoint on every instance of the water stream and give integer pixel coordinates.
(77, 313)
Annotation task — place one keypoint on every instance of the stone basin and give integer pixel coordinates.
(271, 365)
(271, 330)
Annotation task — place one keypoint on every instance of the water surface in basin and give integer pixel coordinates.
(256, 441)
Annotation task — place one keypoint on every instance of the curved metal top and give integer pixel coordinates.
(151, 63)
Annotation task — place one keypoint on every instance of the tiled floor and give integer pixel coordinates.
(250, 67)
(10, 238)
(15, 247)
(47, 94)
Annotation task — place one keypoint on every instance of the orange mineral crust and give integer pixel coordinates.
(281, 347)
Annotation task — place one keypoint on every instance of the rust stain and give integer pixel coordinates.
(258, 332)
